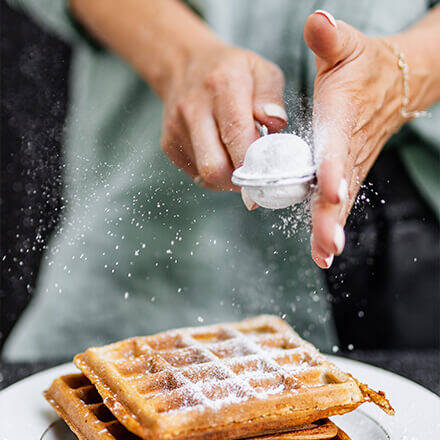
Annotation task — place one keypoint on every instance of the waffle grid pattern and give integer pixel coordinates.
(78, 402)
(184, 371)
(206, 382)
(76, 392)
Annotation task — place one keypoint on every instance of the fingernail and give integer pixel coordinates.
(342, 191)
(275, 111)
(329, 260)
(339, 239)
(248, 202)
(328, 16)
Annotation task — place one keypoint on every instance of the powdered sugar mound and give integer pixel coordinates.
(277, 156)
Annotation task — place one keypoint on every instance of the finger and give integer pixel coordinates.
(353, 184)
(328, 234)
(175, 150)
(212, 160)
(322, 258)
(332, 41)
(233, 111)
(331, 203)
(248, 202)
(333, 122)
(268, 95)
(178, 158)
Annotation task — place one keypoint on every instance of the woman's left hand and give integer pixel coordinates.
(357, 102)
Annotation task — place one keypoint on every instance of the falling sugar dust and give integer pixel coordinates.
(279, 170)
(140, 228)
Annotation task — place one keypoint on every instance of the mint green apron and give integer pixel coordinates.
(140, 248)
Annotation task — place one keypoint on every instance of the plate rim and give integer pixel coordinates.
(334, 359)
(47, 429)
(379, 378)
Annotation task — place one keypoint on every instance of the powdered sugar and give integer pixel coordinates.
(239, 368)
(277, 170)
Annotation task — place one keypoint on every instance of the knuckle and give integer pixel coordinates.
(214, 173)
(277, 74)
(235, 130)
(215, 80)
(181, 106)
(275, 77)
(168, 126)
(189, 112)
(187, 108)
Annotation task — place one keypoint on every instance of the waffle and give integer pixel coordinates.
(77, 401)
(227, 381)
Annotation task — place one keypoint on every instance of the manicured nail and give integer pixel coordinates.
(248, 202)
(275, 111)
(328, 16)
(329, 260)
(339, 239)
(343, 191)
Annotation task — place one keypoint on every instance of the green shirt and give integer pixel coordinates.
(140, 248)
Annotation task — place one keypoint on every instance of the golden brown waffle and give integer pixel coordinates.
(226, 381)
(76, 400)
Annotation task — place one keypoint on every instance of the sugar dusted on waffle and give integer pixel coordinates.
(211, 381)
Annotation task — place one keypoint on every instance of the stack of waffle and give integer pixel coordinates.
(253, 379)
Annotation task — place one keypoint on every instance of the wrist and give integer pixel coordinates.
(423, 71)
(409, 87)
(157, 37)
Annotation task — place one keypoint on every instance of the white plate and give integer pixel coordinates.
(24, 414)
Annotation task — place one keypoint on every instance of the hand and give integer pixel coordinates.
(357, 101)
(210, 109)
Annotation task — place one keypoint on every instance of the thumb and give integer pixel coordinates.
(331, 41)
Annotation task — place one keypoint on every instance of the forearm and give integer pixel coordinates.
(154, 36)
(421, 46)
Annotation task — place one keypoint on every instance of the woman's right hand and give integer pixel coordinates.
(211, 105)
(212, 92)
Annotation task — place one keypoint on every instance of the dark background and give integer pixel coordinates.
(381, 298)
(34, 70)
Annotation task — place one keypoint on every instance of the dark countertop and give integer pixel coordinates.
(421, 366)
